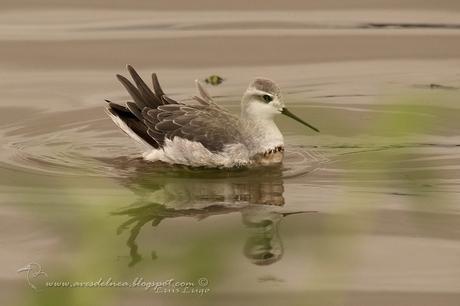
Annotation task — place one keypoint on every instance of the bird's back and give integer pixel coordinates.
(203, 134)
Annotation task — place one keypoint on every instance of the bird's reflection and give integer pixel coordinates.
(168, 192)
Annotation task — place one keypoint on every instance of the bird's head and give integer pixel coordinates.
(263, 100)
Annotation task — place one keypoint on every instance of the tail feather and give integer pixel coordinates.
(132, 90)
(131, 125)
(129, 118)
(150, 99)
(141, 93)
(156, 86)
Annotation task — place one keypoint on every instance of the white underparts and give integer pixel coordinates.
(186, 152)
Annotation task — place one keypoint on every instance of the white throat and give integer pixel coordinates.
(262, 133)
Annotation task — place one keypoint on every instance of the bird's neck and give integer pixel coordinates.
(263, 134)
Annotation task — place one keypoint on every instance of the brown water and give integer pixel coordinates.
(365, 213)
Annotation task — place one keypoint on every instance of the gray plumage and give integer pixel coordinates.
(266, 85)
(204, 133)
(155, 117)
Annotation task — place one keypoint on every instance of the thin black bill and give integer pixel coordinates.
(291, 115)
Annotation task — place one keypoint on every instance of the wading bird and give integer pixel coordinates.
(204, 134)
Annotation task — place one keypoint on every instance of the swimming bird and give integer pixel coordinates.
(203, 134)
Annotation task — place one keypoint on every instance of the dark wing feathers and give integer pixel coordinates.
(133, 123)
(168, 100)
(155, 135)
(209, 126)
(200, 100)
(181, 119)
(135, 110)
(156, 86)
(133, 92)
(149, 98)
(154, 117)
(117, 107)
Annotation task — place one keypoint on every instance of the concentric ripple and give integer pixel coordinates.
(94, 147)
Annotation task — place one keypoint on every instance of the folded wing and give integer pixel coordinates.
(154, 117)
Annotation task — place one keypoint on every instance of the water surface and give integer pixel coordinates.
(365, 213)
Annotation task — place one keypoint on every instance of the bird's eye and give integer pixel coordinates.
(267, 98)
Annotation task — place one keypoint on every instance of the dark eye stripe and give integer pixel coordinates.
(267, 98)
